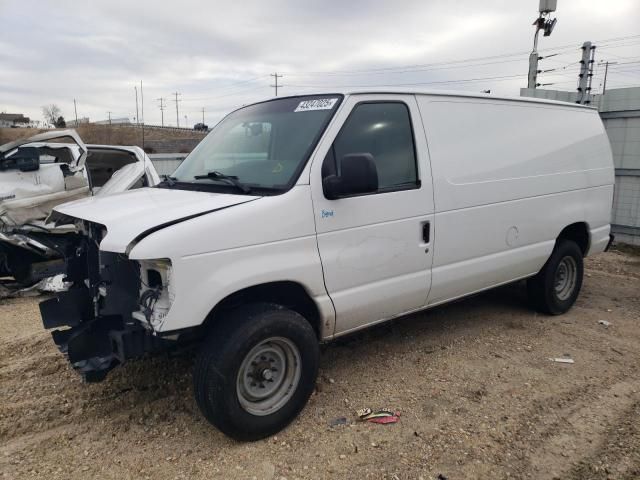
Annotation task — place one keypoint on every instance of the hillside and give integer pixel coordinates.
(156, 140)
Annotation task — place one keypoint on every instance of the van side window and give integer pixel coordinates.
(382, 129)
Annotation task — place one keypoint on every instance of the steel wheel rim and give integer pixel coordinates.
(565, 278)
(268, 376)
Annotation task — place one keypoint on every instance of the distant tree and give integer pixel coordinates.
(51, 113)
(60, 123)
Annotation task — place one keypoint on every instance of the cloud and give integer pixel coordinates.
(219, 55)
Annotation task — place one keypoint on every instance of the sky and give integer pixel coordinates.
(220, 55)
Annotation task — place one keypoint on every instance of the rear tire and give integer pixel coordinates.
(555, 288)
(256, 372)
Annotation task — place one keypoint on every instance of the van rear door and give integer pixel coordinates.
(376, 247)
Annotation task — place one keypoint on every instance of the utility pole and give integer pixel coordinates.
(177, 113)
(276, 77)
(75, 108)
(545, 23)
(586, 73)
(162, 106)
(142, 111)
(137, 113)
(142, 105)
(109, 129)
(606, 71)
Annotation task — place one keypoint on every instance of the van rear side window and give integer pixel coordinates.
(382, 129)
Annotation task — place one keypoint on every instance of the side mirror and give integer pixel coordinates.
(358, 175)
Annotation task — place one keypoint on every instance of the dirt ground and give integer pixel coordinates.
(478, 394)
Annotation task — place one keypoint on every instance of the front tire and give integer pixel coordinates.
(555, 288)
(256, 372)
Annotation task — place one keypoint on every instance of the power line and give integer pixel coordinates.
(242, 82)
(464, 80)
(193, 99)
(569, 48)
(230, 86)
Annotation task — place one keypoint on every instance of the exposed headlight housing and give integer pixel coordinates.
(156, 292)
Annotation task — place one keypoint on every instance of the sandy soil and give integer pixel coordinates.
(478, 394)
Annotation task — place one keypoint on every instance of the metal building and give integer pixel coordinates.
(166, 163)
(620, 112)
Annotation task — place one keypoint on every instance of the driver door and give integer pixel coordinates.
(375, 247)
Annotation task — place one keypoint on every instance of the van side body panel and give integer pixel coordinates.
(508, 176)
(376, 262)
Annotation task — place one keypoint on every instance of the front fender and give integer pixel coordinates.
(204, 280)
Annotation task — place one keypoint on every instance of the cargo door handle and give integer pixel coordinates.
(426, 232)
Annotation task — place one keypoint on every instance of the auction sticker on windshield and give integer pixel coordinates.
(316, 104)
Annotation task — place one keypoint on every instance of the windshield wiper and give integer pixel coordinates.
(168, 180)
(231, 179)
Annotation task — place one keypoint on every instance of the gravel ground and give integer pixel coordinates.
(478, 394)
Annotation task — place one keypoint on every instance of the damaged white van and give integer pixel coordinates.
(46, 170)
(301, 219)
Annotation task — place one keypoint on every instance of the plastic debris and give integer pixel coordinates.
(606, 323)
(338, 421)
(46, 285)
(562, 360)
(384, 420)
(382, 416)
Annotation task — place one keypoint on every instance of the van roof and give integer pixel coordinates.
(440, 93)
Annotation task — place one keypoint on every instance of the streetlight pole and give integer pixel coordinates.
(543, 22)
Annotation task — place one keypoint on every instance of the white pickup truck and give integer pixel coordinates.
(301, 219)
(48, 169)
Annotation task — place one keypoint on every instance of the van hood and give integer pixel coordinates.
(130, 216)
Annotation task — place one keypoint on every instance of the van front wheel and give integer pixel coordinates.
(256, 372)
(555, 288)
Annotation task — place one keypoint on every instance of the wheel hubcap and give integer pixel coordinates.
(565, 278)
(268, 376)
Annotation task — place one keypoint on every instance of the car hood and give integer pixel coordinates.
(130, 216)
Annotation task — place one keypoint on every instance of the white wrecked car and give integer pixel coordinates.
(46, 170)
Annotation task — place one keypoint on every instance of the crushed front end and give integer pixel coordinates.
(107, 316)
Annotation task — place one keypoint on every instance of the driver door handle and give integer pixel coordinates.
(426, 232)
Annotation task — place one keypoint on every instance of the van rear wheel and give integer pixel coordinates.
(555, 288)
(254, 375)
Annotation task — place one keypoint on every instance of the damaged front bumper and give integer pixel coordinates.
(96, 346)
(97, 322)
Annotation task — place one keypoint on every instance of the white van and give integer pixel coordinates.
(301, 219)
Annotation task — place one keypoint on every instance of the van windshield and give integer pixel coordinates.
(261, 148)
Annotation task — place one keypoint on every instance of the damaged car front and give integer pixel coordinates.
(119, 298)
(46, 170)
(109, 312)
(37, 174)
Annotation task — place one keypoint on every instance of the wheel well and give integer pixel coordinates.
(286, 293)
(579, 233)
